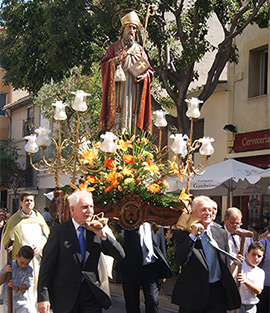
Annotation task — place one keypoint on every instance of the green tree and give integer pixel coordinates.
(12, 175)
(63, 91)
(88, 121)
(44, 39)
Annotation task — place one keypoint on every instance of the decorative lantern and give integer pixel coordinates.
(206, 147)
(160, 120)
(31, 146)
(108, 145)
(43, 139)
(179, 145)
(79, 103)
(193, 108)
(60, 114)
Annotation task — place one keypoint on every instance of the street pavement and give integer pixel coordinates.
(118, 306)
(165, 305)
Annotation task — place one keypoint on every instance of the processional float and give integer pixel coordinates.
(125, 173)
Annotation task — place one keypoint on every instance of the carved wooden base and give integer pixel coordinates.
(131, 212)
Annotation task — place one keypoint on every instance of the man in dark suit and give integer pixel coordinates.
(69, 279)
(143, 266)
(205, 284)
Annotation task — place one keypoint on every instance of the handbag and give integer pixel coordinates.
(119, 75)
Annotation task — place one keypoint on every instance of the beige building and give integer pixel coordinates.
(242, 103)
(249, 112)
(7, 95)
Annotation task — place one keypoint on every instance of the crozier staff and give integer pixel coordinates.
(69, 279)
(126, 98)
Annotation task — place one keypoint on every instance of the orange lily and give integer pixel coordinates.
(153, 188)
(127, 171)
(91, 179)
(151, 167)
(112, 176)
(176, 171)
(185, 197)
(112, 185)
(128, 158)
(124, 145)
(110, 164)
(84, 186)
(90, 156)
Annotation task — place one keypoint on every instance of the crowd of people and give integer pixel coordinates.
(62, 268)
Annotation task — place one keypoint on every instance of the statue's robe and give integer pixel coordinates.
(121, 100)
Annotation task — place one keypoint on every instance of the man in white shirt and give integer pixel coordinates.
(232, 222)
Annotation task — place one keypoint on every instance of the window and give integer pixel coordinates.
(258, 65)
(28, 123)
(3, 102)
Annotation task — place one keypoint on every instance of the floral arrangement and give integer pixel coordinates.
(135, 167)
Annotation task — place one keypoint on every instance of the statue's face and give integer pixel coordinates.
(129, 34)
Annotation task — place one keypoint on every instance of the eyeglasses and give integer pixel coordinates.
(235, 224)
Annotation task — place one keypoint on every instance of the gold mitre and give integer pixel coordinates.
(131, 18)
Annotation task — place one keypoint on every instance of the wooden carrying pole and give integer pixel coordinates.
(243, 234)
(8, 247)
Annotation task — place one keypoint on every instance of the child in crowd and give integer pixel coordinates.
(22, 280)
(251, 278)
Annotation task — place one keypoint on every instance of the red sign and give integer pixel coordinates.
(252, 141)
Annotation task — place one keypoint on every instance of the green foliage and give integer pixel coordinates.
(170, 257)
(45, 39)
(11, 173)
(72, 81)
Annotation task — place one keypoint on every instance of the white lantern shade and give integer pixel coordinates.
(43, 139)
(108, 145)
(206, 147)
(193, 108)
(79, 103)
(160, 120)
(179, 145)
(31, 145)
(59, 114)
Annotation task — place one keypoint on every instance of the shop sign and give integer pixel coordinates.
(252, 141)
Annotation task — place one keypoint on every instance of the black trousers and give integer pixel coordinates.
(215, 303)
(147, 278)
(86, 302)
(264, 304)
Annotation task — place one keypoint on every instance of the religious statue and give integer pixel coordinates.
(126, 78)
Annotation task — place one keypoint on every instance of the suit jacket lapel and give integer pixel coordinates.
(216, 236)
(198, 252)
(72, 242)
(89, 241)
(219, 240)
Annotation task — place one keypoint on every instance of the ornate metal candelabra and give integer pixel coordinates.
(184, 147)
(60, 163)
